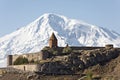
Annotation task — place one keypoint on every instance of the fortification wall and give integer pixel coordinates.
(14, 58)
(31, 56)
(80, 48)
(42, 55)
(85, 48)
(27, 67)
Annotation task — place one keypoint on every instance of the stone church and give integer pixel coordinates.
(35, 56)
(42, 56)
(53, 41)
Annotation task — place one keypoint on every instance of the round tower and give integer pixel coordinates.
(53, 41)
(9, 60)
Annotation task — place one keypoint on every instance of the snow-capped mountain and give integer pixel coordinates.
(35, 36)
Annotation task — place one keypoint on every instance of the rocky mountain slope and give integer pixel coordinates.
(35, 36)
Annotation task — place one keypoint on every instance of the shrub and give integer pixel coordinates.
(89, 75)
(32, 61)
(21, 60)
(53, 51)
(37, 62)
(67, 50)
(46, 48)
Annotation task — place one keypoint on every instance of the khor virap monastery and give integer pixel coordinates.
(55, 59)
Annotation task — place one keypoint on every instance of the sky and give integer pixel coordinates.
(15, 14)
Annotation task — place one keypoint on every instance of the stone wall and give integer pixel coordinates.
(27, 67)
(31, 56)
(42, 55)
(86, 48)
(9, 59)
(71, 63)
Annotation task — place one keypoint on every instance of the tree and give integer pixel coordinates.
(67, 50)
(55, 52)
(32, 61)
(21, 60)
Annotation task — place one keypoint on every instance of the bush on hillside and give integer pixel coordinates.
(32, 61)
(45, 48)
(21, 60)
(67, 50)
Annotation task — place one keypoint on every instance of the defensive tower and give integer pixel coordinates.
(9, 60)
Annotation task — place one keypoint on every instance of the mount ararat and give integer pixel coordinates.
(35, 36)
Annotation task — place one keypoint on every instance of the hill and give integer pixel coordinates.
(100, 64)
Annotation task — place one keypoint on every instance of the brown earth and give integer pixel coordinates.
(108, 70)
(13, 76)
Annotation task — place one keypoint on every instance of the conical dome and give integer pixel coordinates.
(53, 37)
(53, 41)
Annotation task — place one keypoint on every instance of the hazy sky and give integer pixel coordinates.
(18, 13)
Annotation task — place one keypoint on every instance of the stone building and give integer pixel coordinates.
(9, 60)
(53, 41)
(43, 55)
(34, 56)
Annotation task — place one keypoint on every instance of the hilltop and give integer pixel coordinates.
(100, 63)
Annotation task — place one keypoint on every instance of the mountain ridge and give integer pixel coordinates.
(34, 36)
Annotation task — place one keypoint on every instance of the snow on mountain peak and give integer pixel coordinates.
(35, 36)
